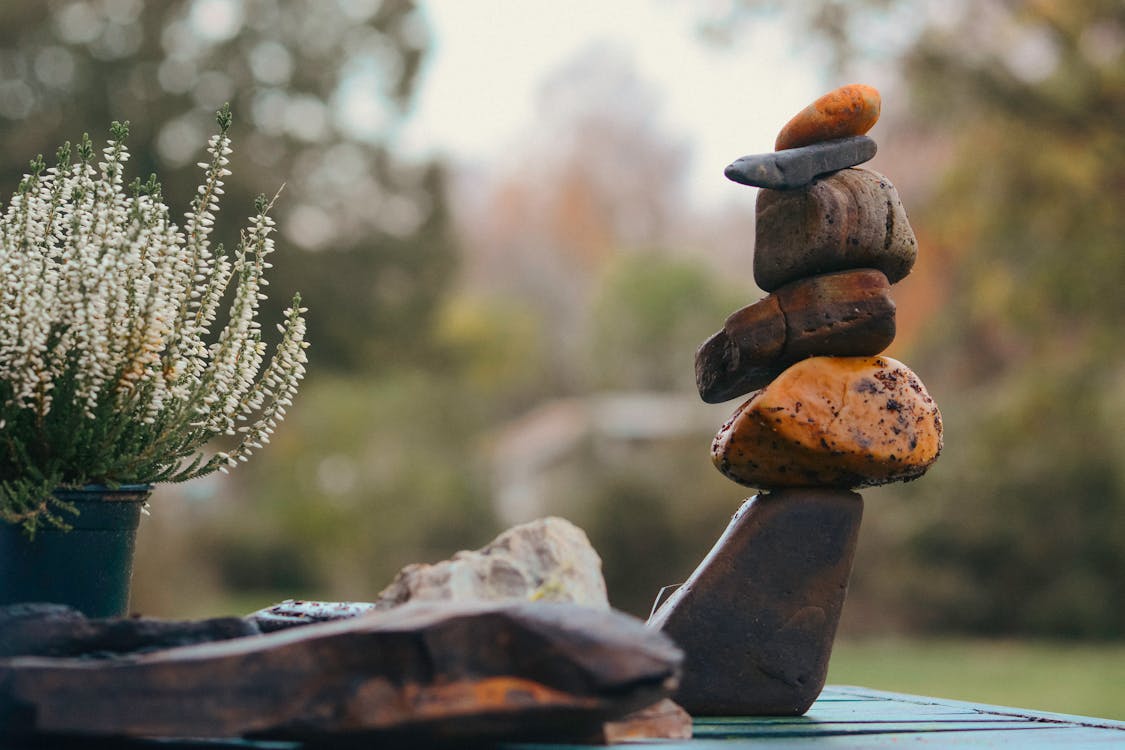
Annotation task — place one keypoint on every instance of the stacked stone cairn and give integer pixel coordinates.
(826, 414)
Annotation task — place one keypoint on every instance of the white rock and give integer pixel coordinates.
(549, 559)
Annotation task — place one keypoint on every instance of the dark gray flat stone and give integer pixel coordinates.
(797, 167)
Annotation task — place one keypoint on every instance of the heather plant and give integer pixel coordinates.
(113, 369)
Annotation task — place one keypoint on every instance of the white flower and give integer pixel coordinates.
(107, 314)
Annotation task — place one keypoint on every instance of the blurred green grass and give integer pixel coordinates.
(1086, 679)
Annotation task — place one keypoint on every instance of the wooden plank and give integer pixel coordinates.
(858, 718)
(869, 694)
(828, 729)
(1019, 739)
(1076, 738)
(752, 723)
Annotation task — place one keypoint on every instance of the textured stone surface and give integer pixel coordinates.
(832, 422)
(796, 167)
(549, 559)
(59, 631)
(757, 618)
(295, 612)
(664, 720)
(848, 110)
(848, 313)
(850, 219)
(416, 674)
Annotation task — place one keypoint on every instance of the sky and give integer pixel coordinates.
(489, 57)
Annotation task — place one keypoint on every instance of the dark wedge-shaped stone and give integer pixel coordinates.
(757, 618)
(850, 219)
(797, 167)
(849, 313)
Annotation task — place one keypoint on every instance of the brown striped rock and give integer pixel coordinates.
(848, 110)
(849, 313)
(832, 422)
(850, 219)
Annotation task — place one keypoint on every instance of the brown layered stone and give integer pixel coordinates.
(849, 313)
(832, 422)
(850, 219)
(757, 618)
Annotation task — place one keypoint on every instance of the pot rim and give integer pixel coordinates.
(99, 493)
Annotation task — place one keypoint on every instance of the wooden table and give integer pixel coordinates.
(853, 717)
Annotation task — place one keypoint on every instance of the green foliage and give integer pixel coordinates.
(498, 345)
(368, 477)
(651, 312)
(1027, 516)
(652, 509)
(1012, 537)
(382, 291)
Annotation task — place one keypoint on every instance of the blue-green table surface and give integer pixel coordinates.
(853, 717)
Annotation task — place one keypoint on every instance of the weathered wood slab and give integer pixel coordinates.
(758, 616)
(60, 631)
(421, 671)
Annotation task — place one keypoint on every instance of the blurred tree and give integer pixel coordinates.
(598, 174)
(1018, 528)
(497, 344)
(345, 495)
(318, 90)
(650, 312)
(1030, 344)
(363, 482)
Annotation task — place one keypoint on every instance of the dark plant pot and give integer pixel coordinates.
(89, 567)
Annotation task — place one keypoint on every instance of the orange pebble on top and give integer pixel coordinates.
(847, 111)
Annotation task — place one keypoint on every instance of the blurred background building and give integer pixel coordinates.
(511, 228)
